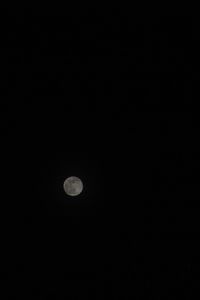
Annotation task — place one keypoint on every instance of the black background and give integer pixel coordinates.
(111, 98)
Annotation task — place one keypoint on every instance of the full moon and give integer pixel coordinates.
(73, 186)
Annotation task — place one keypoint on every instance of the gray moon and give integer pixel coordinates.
(73, 186)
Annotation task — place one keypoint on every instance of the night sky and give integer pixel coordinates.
(111, 98)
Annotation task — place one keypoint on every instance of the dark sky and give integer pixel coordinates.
(110, 98)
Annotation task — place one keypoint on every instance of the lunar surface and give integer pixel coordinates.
(73, 186)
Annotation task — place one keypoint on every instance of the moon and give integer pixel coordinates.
(73, 186)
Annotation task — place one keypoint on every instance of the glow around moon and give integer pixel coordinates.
(73, 186)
